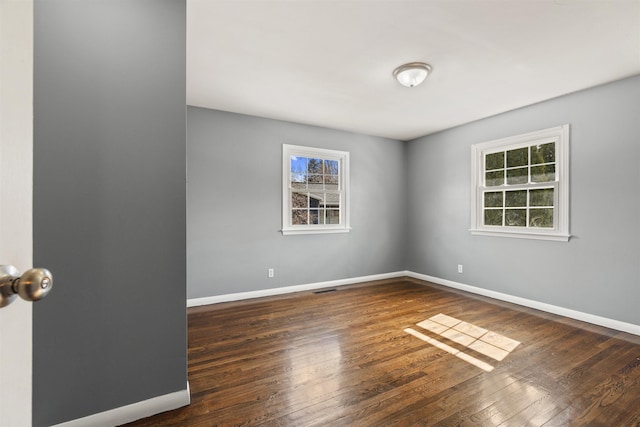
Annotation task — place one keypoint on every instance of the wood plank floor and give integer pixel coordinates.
(348, 358)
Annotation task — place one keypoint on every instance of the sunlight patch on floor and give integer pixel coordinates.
(475, 338)
(459, 354)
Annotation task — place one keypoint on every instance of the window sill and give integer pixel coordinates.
(287, 232)
(522, 235)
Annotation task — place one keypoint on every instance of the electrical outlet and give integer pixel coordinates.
(270, 273)
(460, 268)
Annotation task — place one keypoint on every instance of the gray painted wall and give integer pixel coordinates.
(598, 270)
(109, 204)
(234, 206)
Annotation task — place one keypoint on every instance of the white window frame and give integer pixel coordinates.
(311, 152)
(560, 231)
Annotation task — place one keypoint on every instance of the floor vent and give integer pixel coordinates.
(324, 291)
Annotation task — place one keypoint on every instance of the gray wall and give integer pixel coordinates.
(234, 206)
(109, 204)
(598, 270)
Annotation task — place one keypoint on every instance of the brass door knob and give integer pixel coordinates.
(33, 285)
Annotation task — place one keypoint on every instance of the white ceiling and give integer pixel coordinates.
(329, 63)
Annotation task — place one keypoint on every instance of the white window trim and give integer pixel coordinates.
(303, 151)
(560, 232)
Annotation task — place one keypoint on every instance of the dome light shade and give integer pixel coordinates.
(412, 74)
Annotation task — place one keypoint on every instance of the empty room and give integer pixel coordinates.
(320, 213)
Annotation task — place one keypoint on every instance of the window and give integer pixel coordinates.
(520, 186)
(315, 186)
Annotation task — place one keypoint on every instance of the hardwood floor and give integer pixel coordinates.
(343, 358)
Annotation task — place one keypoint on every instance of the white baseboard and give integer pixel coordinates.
(133, 412)
(566, 312)
(194, 302)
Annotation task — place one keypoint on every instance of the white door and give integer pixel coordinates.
(16, 189)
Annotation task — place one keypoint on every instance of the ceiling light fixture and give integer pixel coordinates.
(412, 74)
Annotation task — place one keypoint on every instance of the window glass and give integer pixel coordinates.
(541, 218)
(494, 178)
(543, 153)
(516, 198)
(515, 217)
(493, 199)
(517, 157)
(493, 217)
(543, 173)
(541, 197)
(517, 176)
(495, 161)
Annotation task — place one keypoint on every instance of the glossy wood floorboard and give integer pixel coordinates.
(356, 357)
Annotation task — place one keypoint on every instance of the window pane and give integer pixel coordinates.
(494, 179)
(544, 173)
(298, 180)
(331, 167)
(314, 166)
(298, 164)
(333, 216)
(331, 200)
(542, 197)
(518, 157)
(493, 199)
(544, 153)
(517, 176)
(493, 217)
(314, 200)
(299, 217)
(515, 217)
(516, 199)
(315, 181)
(299, 200)
(331, 182)
(314, 216)
(541, 218)
(494, 161)
(331, 179)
